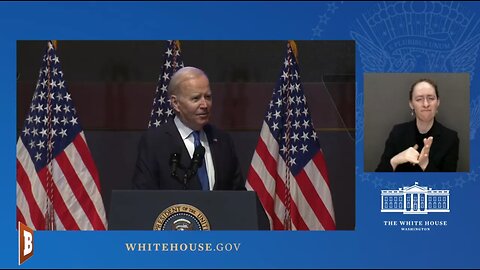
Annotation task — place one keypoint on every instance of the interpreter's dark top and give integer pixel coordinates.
(443, 155)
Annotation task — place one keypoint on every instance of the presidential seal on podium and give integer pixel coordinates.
(181, 217)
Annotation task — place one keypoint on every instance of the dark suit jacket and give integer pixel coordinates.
(153, 169)
(443, 155)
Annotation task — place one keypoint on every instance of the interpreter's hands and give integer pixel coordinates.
(408, 155)
(423, 157)
(412, 156)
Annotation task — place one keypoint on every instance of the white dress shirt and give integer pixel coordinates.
(188, 140)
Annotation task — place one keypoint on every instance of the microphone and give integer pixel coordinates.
(174, 162)
(197, 159)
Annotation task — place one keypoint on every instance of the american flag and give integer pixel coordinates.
(288, 169)
(162, 110)
(58, 187)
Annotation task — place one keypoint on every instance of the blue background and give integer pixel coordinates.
(371, 245)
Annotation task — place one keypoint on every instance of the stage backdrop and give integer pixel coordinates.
(113, 86)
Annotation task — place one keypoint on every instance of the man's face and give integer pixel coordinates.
(193, 102)
(424, 101)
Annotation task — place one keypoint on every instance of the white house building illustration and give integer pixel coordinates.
(415, 200)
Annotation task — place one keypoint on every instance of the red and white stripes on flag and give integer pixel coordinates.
(54, 164)
(288, 170)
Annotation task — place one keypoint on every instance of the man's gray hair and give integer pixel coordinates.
(182, 75)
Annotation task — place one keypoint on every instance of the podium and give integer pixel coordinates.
(222, 210)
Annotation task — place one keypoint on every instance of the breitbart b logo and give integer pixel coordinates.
(25, 243)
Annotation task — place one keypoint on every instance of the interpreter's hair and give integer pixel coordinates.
(182, 75)
(429, 81)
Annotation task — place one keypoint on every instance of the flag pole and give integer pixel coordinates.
(50, 213)
(288, 196)
(178, 50)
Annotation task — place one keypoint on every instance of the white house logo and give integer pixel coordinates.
(414, 203)
(415, 200)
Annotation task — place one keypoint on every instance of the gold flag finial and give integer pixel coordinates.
(54, 42)
(177, 42)
(294, 48)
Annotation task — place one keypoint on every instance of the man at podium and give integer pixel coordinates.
(187, 152)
